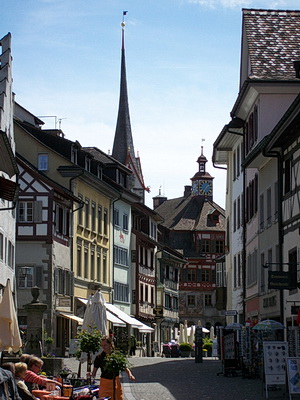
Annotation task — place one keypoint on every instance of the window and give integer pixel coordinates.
(269, 207)
(80, 211)
(99, 219)
(238, 161)
(92, 262)
(153, 230)
(205, 246)
(121, 292)
(261, 212)
(234, 216)
(234, 165)
(86, 259)
(104, 265)
(87, 213)
(116, 217)
(238, 212)
(191, 276)
(220, 246)
(105, 221)
(125, 222)
(10, 254)
(121, 255)
(263, 273)
(25, 277)
(1, 246)
(79, 255)
(62, 220)
(239, 271)
(252, 268)
(25, 213)
(74, 152)
(98, 267)
(206, 276)
(191, 301)
(87, 163)
(168, 304)
(234, 272)
(287, 175)
(42, 162)
(93, 216)
(208, 300)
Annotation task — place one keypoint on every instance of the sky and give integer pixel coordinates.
(182, 63)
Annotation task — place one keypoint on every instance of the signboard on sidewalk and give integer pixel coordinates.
(293, 374)
(275, 355)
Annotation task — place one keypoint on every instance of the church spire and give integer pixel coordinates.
(123, 149)
(123, 142)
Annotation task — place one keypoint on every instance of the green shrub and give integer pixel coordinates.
(185, 347)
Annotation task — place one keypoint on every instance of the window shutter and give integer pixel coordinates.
(39, 279)
(37, 211)
(56, 280)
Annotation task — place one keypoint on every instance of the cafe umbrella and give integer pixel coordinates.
(95, 313)
(268, 325)
(10, 339)
(94, 318)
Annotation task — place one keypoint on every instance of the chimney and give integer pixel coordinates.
(187, 191)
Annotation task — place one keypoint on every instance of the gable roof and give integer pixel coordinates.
(190, 214)
(273, 38)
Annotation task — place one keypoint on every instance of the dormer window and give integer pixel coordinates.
(74, 154)
(87, 163)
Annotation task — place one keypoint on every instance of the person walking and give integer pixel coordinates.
(132, 345)
(106, 387)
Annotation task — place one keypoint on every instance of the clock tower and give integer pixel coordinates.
(202, 181)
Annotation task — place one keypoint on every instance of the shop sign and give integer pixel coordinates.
(280, 280)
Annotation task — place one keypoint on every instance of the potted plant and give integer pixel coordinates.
(207, 344)
(115, 363)
(65, 372)
(89, 343)
(185, 349)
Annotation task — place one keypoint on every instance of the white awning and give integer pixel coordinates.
(114, 320)
(111, 317)
(123, 316)
(145, 329)
(73, 317)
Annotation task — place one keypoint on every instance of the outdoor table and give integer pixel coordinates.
(40, 393)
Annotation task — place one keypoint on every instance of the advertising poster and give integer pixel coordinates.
(275, 355)
(293, 374)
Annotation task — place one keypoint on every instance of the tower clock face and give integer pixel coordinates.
(205, 187)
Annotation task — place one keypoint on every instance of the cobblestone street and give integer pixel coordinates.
(183, 379)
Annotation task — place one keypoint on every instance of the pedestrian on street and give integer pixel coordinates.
(106, 387)
(132, 345)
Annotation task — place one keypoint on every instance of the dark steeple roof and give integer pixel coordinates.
(123, 149)
(123, 142)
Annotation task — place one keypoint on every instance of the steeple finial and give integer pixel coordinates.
(123, 29)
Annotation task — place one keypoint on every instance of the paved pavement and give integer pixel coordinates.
(183, 379)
